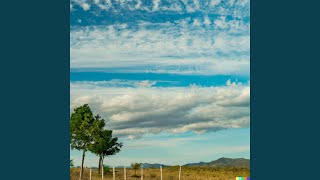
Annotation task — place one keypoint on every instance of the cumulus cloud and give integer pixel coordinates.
(134, 112)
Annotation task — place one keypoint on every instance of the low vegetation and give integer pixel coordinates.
(169, 173)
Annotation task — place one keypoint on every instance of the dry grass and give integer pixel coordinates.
(169, 173)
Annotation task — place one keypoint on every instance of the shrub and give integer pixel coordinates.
(106, 169)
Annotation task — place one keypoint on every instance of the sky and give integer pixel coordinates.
(170, 77)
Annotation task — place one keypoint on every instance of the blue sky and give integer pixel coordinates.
(171, 77)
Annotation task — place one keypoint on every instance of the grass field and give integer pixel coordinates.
(169, 173)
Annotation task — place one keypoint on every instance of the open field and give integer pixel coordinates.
(169, 173)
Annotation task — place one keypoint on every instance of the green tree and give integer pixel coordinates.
(83, 127)
(135, 166)
(104, 145)
(71, 163)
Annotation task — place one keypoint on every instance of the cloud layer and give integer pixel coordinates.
(238, 8)
(134, 112)
(161, 48)
(161, 36)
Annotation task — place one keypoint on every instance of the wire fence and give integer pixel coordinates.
(167, 173)
(123, 173)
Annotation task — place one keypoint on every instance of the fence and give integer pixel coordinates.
(162, 173)
(119, 173)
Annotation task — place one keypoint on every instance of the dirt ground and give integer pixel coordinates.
(172, 173)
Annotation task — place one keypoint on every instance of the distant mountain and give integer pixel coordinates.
(147, 165)
(237, 162)
(227, 162)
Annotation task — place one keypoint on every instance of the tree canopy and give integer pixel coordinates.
(83, 128)
(104, 144)
(87, 133)
(82, 125)
(135, 166)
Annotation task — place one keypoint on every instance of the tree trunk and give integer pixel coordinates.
(102, 164)
(81, 170)
(99, 166)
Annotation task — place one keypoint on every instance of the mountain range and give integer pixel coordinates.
(226, 162)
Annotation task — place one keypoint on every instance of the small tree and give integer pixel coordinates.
(71, 163)
(135, 166)
(104, 145)
(83, 127)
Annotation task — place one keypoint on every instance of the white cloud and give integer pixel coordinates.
(156, 4)
(188, 6)
(237, 9)
(114, 83)
(138, 5)
(207, 21)
(196, 22)
(214, 2)
(172, 7)
(146, 83)
(85, 6)
(134, 112)
(166, 47)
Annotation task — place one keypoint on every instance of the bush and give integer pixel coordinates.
(106, 169)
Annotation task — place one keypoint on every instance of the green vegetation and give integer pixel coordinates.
(104, 144)
(106, 169)
(87, 133)
(135, 166)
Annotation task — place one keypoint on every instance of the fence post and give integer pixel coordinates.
(141, 173)
(125, 174)
(114, 174)
(90, 174)
(102, 172)
(179, 172)
(161, 172)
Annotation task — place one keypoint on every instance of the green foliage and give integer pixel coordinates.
(135, 166)
(106, 169)
(83, 127)
(87, 133)
(104, 144)
(71, 163)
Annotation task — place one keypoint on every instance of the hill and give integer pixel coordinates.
(147, 165)
(237, 162)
